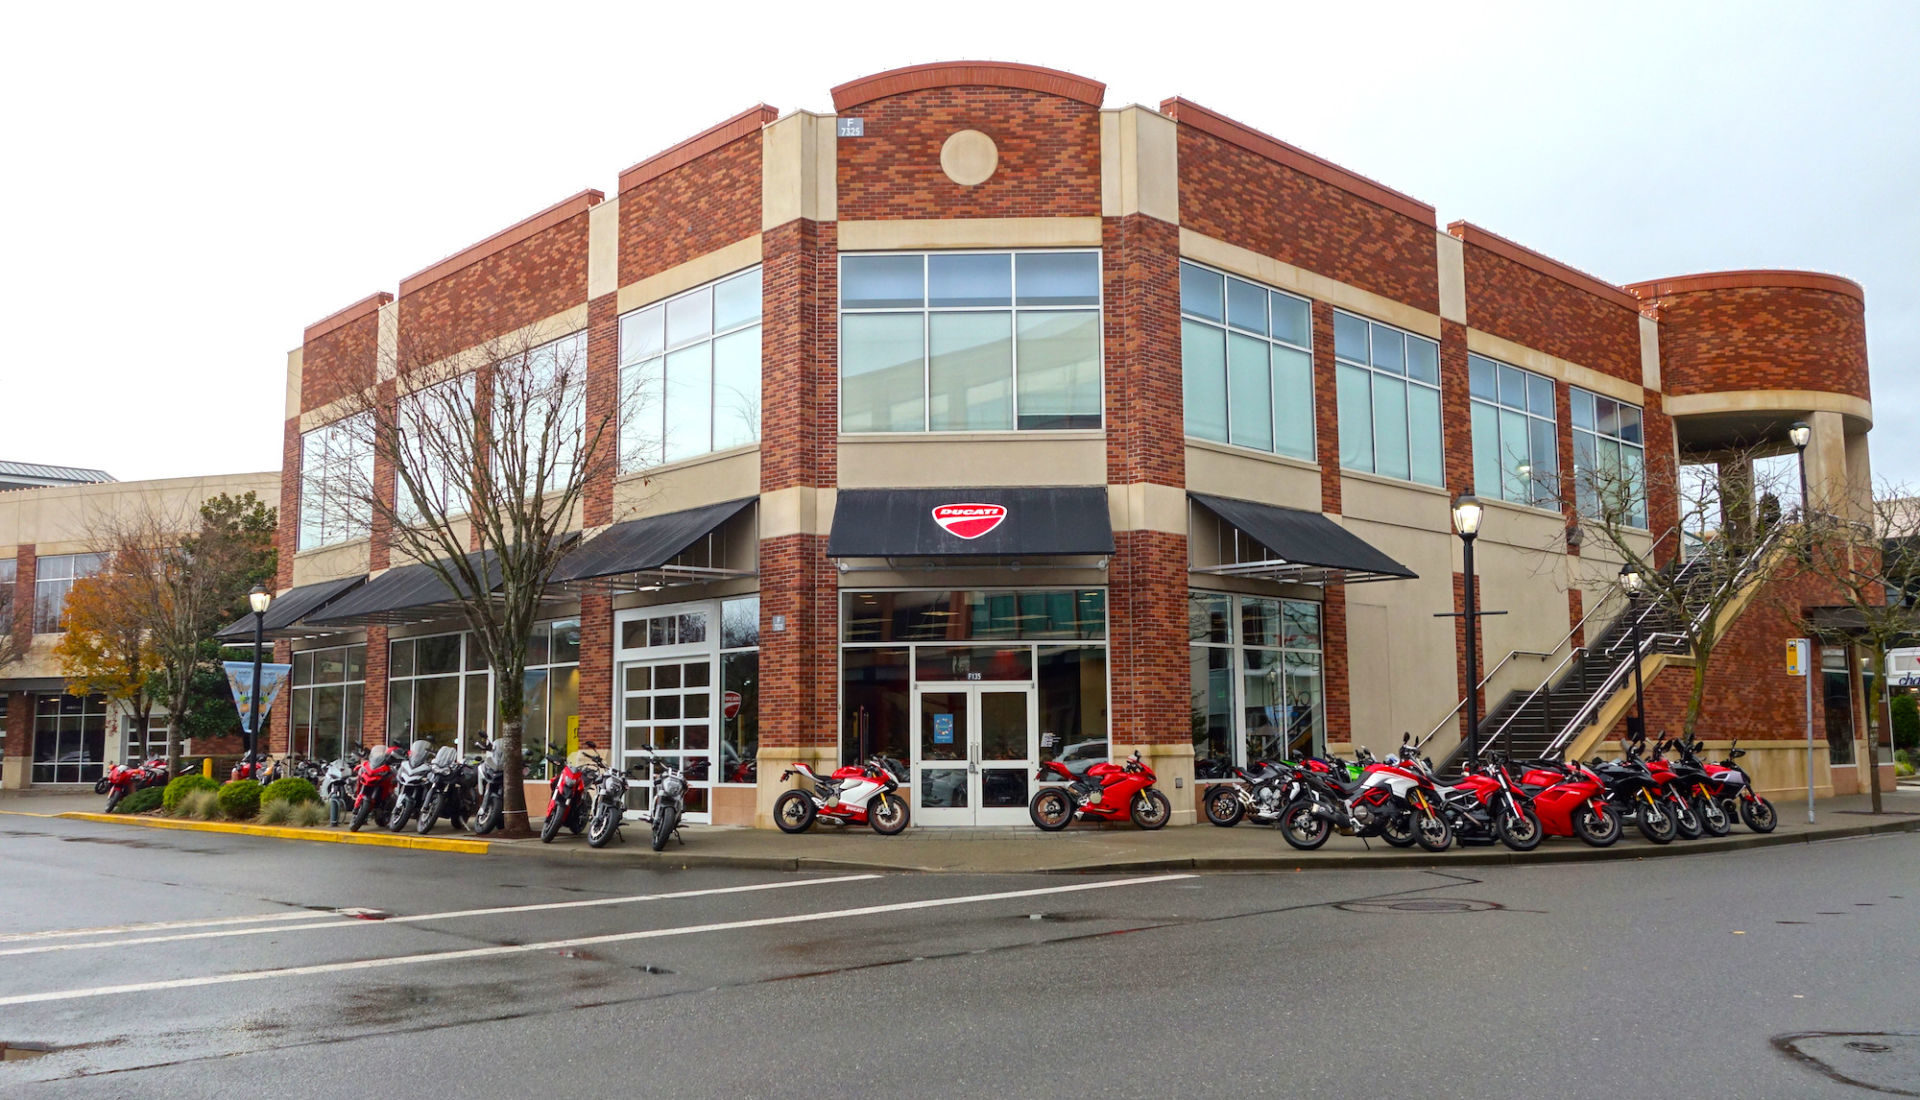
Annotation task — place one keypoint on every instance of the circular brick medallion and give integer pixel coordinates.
(969, 158)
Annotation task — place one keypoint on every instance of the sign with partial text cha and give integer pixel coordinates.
(730, 705)
(1796, 656)
(969, 521)
(240, 680)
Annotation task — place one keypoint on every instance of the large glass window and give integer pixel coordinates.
(436, 689)
(9, 573)
(434, 443)
(970, 341)
(739, 690)
(551, 688)
(1516, 453)
(1609, 459)
(53, 578)
(329, 694)
(1256, 686)
(336, 466)
(551, 382)
(690, 367)
(1389, 397)
(69, 738)
(1246, 356)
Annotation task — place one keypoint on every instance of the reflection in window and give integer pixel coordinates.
(1516, 454)
(1246, 363)
(53, 579)
(327, 697)
(690, 370)
(1388, 384)
(1274, 708)
(1609, 459)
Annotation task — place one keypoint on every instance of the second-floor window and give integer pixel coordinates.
(1609, 459)
(336, 466)
(690, 370)
(53, 578)
(9, 572)
(970, 341)
(1516, 455)
(1389, 383)
(1246, 355)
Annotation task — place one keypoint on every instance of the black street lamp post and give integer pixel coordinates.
(259, 598)
(1467, 513)
(1631, 582)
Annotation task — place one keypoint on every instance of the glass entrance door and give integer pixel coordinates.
(973, 754)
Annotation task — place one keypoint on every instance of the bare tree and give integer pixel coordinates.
(485, 454)
(1864, 563)
(1728, 538)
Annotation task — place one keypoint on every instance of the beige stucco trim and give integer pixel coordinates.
(327, 563)
(886, 236)
(1453, 276)
(1236, 472)
(800, 510)
(972, 458)
(386, 351)
(1649, 352)
(743, 253)
(60, 519)
(707, 479)
(797, 157)
(1139, 164)
(1143, 506)
(1520, 355)
(1807, 401)
(603, 248)
(296, 363)
(1265, 269)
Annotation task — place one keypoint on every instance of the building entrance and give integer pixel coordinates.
(974, 752)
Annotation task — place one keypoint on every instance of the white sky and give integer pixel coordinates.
(191, 185)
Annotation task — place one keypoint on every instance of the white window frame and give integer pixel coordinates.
(1542, 495)
(336, 464)
(645, 397)
(1313, 427)
(1582, 493)
(1440, 478)
(1099, 309)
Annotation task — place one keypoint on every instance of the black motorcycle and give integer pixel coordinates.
(1634, 790)
(450, 791)
(1259, 796)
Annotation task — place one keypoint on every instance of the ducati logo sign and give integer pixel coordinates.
(969, 521)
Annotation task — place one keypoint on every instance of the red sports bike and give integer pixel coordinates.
(1103, 791)
(567, 796)
(1571, 801)
(374, 784)
(857, 794)
(124, 779)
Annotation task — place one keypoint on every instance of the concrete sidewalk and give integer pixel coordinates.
(1091, 848)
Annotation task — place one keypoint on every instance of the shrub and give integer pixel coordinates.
(307, 815)
(277, 812)
(240, 799)
(180, 787)
(139, 802)
(1906, 721)
(289, 789)
(200, 804)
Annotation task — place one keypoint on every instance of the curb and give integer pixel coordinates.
(277, 832)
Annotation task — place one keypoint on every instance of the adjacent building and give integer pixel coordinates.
(994, 424)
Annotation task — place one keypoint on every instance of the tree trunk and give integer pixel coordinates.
(1697, 697)
(513, 816)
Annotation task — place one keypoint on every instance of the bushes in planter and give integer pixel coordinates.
(140, 801)
(292, 790)
(240, 799)
(180, 787)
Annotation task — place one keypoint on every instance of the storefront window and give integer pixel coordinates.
(876, 693)
(329, 691)
(1274, 708)
(434, 695)
(552, 692)
(1837, 694)
(739, 690)
(69, 738)
(933, 615)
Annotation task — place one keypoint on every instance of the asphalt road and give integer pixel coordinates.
(502, 975)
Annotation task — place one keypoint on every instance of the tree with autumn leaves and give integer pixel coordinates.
(106, 649)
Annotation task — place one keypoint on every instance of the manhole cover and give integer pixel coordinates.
(1420, 905)
(1885, 1062)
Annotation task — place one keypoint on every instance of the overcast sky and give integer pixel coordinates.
(190, 186)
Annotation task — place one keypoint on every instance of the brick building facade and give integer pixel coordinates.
(976, 280)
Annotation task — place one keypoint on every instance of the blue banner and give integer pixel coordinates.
(240, 679)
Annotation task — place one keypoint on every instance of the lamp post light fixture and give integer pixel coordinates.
(259, 599)
(1467, 514)
(1631, 582)
(1801, 434)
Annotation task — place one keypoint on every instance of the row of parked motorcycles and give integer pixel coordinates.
(423, 785)
(1401, 801)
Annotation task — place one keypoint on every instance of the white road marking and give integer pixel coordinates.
(415, 918)
(158, 925)
(554, 945)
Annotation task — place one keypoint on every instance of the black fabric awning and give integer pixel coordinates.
(288, 608)
(1052, 521)
(410, 588)
(1301, 546)
(649, 546)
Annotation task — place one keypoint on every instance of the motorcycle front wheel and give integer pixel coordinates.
(429, 814)
(550, 827)
(887, 814)
(1224, 807)
(1685, 821)
(360, 814)
(402, 813)
(1150, 809)
(665, 817)
(577, 820)
(114, 798)
(606, 822)
(101, 785)
(487, 818)
(1522, 833)
(1303, 828)
(1599, 829)
(1656, 823)
(1432, 831)
(1757, 813)
(1712, 818)
(793, 812)
(1051, 809)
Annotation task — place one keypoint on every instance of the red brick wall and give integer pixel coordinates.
(1527, 306)
(1333, 642)
(1235, 195)
(799, 666)
(1784, 337)
(379, 552)
(799, 351)
(596, 670)
(1049, 156)
(19, 729)
(373, 713)
(1456, 412)
(1148, 654)
(514, 287)
(1663, 477)
(1326, 408)
(1145, 420)
(286, 537)
(341, 361)
(691, 210)
(602, 407)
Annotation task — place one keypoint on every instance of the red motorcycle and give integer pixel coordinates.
(1733, 788)
(1103, 791)
(1674, 791)
(1572, 801)
(567, 796)
(856, 794)
(374, 784)
(254, 766)
(124, 779)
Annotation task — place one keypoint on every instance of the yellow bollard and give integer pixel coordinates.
(206, 767)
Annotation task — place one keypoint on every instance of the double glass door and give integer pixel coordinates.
(973, 753)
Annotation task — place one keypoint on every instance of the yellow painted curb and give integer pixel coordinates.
(23, 813)
(383, 840)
